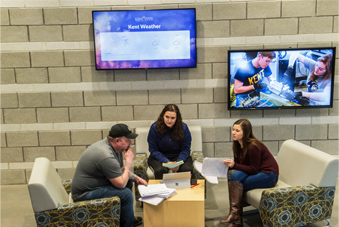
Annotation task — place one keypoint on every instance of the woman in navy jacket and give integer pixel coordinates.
(169, 141)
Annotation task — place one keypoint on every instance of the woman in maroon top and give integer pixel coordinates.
(254, 166)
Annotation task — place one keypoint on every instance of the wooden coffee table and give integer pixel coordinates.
(186, 208)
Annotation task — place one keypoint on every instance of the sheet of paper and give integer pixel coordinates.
(152, 189)
(198, 166)
(172, 165)
(214, 167)
(154, 200)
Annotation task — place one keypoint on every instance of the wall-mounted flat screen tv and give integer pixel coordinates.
(281, 78)
(142, 39)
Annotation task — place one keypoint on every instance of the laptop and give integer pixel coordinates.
(177, 180)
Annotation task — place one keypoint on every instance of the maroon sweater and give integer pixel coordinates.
(256, 160)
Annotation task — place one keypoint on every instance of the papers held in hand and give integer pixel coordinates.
(155, 193)
(211, 169)
(172, 165)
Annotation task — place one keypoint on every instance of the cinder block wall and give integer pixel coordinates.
(55, 104)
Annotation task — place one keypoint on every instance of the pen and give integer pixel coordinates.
(194, 185)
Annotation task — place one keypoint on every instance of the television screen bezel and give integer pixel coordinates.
(228, 86)
(145, 68)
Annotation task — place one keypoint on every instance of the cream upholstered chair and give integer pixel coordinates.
(53, 205)
(140, 162)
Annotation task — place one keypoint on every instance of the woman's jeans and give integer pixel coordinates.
(126, 199)
(259, 180)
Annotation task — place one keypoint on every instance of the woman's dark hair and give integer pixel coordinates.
(177, 131)
(326, 59)
(248, 138)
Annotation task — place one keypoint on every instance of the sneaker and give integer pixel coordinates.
(137, 221)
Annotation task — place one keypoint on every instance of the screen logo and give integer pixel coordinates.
(143, 19)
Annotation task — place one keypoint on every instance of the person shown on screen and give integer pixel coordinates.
(253, 167)
(169, 141)
(319, 78)
(101, 172)
(250, 76)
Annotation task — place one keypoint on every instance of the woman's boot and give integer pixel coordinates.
(235, 190)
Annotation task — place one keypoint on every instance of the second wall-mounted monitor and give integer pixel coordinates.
(142, 39)
(281, 78)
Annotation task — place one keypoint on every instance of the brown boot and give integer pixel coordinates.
(235, 191)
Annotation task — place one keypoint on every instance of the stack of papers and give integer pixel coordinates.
(155, 193)
(211, 169)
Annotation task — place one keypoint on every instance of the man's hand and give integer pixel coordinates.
(128, 156)
(139, 180)
(260, 85)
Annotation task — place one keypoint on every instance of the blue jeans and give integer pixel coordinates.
(126, 199)
(259, 180)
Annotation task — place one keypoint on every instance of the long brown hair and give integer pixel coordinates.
(177, 131)
(248, 138)
(326, 59)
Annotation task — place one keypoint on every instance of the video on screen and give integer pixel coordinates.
(290, 78)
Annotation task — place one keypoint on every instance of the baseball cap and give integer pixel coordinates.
(120, 130)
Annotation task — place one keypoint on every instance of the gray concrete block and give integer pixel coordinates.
(7, 76)
(263, 9)
(213, 29)
(40, 99)
(54, 138)
(12, 34)
(164, 96)
(9, 100)
(60, 16)
(52, 115)
(203, 71)
(76, 33)
(315, 25)
(31, 153)
(14, 154)
(22, 139)
(86, 138)
(89, 74)
(20, 116)
(241, 28)
(13, 176)
(31, 75)
(278, 132)
(198, 95)
(99, 98)
(15, 59)
(47, 58)
(229, 10)
(216, 134)
(311, 132)
(79, 58)
(117, 113)
(298, 8)
(84, 114)
(51, 33)
(26, 16)
(69, 153)
(64, 74)
(213, 111)
(67, 99)
(132, 97)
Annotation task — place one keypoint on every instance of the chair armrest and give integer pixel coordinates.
(197, 156)
(140, 166)
(87, 213)
(67, 185)
(296, 206)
